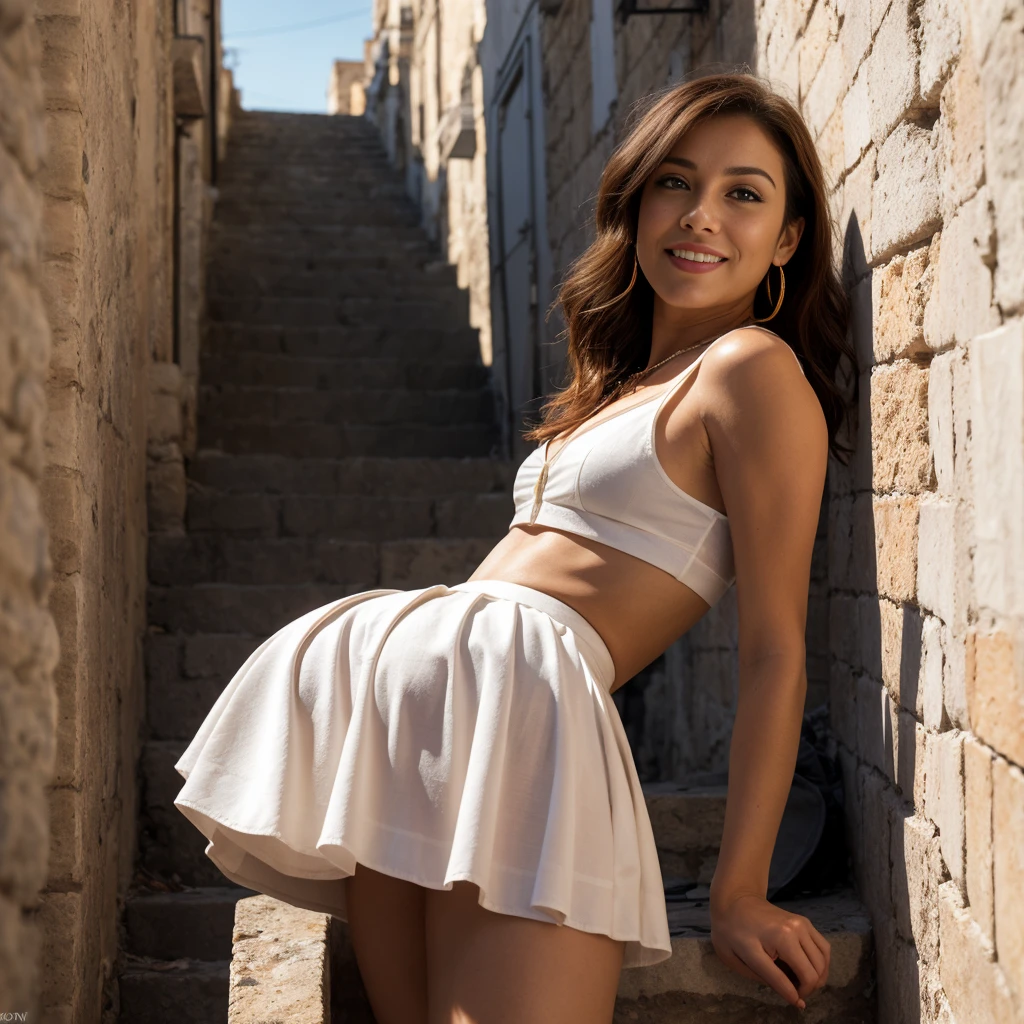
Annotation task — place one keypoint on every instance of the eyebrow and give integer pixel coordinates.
(683, 162)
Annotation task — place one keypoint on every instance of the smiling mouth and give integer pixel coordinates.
(695, 257)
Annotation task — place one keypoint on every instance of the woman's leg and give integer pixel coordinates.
(386, 922)
(489, 968)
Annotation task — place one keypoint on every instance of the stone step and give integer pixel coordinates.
(305, 149)
(687, 819)
(695, 987)
(302, 246)
(169, 843)
(456, 344)
(313, 189)
(231, 607)
(443, 310)
(260, 248)
(350, 517)
(339, 211)
(194, 923)
(286, 280)
(336, 373)
(349, 236)
(301, 150)
(340, 159)
(187, 671)
(410, 477)
(191, 990)
(182, 560)
(325, 440)
(387, 286)
(279, 406)
(325, 183)
(399, 261)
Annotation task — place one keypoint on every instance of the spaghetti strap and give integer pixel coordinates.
(683, 376)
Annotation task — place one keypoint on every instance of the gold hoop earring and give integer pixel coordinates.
(621, 295)
(782, 293)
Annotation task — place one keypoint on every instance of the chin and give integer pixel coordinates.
(689, 297)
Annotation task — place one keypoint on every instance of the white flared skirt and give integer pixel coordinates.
(435, 735)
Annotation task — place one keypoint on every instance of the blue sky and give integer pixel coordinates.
(288, 70)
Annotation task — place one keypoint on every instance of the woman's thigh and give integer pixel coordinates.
(386, 923)
(490, 968)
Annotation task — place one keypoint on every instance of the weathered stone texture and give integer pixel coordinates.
(899, 425)
(280, 963)
(925, 635)
(86, 271)
(905, 193)
(29, 645)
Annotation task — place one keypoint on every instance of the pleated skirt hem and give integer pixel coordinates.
(324, 898)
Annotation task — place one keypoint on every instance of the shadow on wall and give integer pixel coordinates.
(876, 645)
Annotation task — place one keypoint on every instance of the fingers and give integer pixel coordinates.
(771, 975)
(823, 944)
(819, 957)
(791, 950)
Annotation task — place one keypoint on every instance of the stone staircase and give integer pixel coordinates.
(346, 441)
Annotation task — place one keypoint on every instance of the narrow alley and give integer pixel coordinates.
(254, 362)
(346, 439)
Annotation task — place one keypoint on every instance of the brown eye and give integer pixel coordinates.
(672, 181)
(746, 195)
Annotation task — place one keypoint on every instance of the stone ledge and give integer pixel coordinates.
(694, 968)
(279, 964)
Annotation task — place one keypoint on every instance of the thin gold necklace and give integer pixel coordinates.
(629, 385)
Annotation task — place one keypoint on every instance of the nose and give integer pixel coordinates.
(699, 215)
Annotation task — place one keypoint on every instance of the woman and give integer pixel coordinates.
(444, 767)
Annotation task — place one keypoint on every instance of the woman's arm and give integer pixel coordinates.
(769, 443)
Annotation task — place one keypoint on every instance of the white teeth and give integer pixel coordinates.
(697, 257)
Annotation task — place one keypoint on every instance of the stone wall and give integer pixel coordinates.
(94, 415)
(917, 595)
(107, 274)
(917, 108)
(29, 645)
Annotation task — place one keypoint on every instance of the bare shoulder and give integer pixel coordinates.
(755, 370)
(753, 353)
(755, 385)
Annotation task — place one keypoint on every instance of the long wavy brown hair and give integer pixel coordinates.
(605, 345)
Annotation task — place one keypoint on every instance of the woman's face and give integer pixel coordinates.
(711, 217)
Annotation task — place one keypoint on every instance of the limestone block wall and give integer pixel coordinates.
(107, 281)
(29, 645)
(918, 586)
(917, 110)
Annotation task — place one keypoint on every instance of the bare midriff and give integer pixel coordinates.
(636, 608)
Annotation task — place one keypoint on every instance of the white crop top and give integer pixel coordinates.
(611, 487)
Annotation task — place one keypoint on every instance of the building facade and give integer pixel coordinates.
(345, 93)
(915, 641)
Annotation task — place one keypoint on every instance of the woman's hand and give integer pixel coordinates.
(748, 934)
